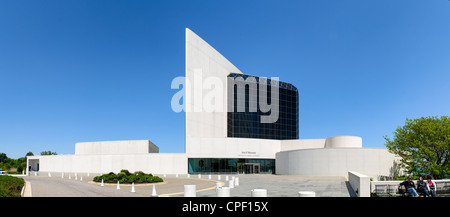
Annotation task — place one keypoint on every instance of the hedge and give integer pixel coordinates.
(126, 177)
(11, 186)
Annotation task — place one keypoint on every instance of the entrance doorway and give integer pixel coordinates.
(33, 165)
(250, 168)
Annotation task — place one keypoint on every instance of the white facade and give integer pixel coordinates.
(157, 163)
(112, 156)
(207, 130)
(206, 137)
(116, 147)
(373, 162)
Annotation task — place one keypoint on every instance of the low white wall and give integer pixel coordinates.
(158, 163)
(335, 162)
(360, 183)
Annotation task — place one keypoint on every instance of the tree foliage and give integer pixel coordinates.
(424, 146)
(3, 158)
(20, 164)
(48, 153)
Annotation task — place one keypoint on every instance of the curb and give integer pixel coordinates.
(136, 184)
(26, 190)
(200, 190)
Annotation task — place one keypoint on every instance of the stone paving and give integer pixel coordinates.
(276, 185)
(285, 186)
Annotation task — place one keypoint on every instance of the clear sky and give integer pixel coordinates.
(92, 70)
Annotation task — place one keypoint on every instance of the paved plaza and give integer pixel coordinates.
(276, 185)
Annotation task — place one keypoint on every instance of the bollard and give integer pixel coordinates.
(62, 175)
(189, 175)
(190, 191)
(176, 175)
(118, 187)
(218, 185)
(259, 193)
(218, 177)
(154, 191)
(69, 176)
(35, 174)
(236, 181)
(306, 194)
(223, 192)
(209, 176)
(81, 178)
(132, 188)
(102, 183)
(199, 176)
(49, 175)
(231, 184)
(164, 175)
(88, 174)
(226, 178)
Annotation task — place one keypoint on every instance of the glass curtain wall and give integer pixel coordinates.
(227, 165)
(248, 124)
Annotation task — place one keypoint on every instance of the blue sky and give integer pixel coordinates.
(78, 71)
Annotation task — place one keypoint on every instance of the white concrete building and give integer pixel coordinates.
(224, 136)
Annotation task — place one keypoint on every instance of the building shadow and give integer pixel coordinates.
(350, 189)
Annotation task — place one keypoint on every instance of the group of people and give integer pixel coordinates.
(425, 187)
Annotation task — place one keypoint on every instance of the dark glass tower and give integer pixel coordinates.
(248, 124)
(243, 123)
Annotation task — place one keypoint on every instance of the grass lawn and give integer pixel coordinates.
(11, 186)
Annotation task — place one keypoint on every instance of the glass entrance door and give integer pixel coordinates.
(248, 169)
(256, 168)
(251, 168)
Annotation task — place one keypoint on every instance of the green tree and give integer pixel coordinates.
(3, 158)
(48, 153)
(424, 146)
(6, 166)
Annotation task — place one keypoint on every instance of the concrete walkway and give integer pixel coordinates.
(286, 186)
(276, 185)
(44, 186)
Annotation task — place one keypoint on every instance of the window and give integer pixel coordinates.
(248, 124)
(227, 165)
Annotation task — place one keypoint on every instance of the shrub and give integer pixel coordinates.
(121, 175)
(131, 178)
(124, 176)
(125, 172)
(141, 179)
(98, 179)
(139, 173)
(157, 179)
(11, 186)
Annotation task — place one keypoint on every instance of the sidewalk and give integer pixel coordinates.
(276, 185)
